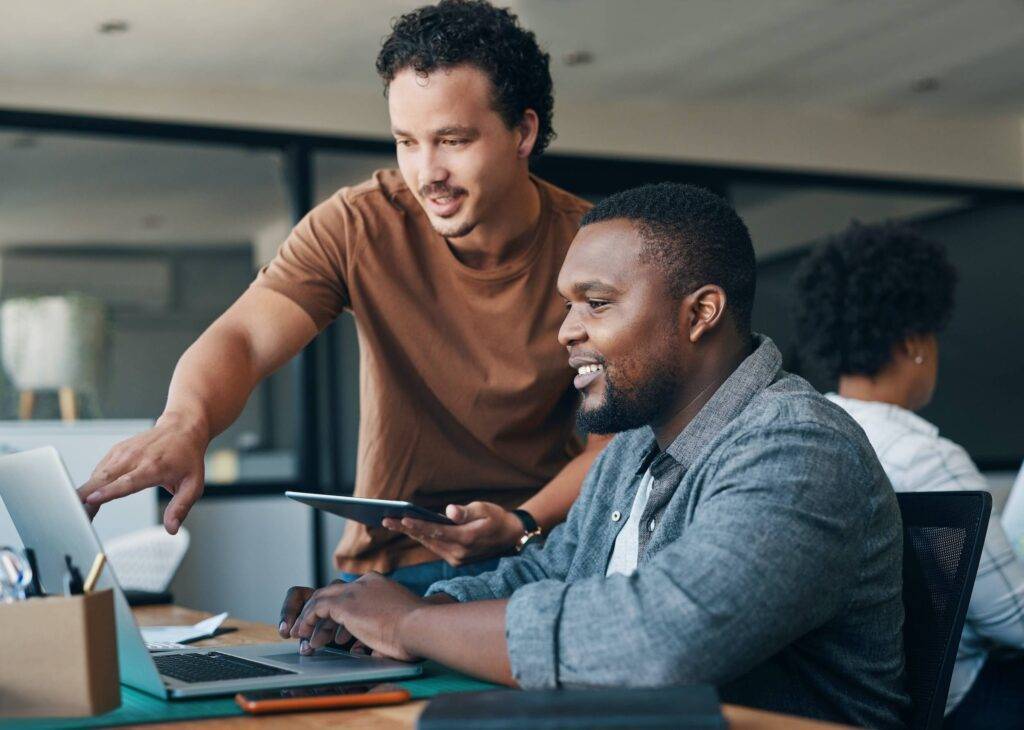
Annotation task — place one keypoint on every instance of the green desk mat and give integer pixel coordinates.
(138, 707)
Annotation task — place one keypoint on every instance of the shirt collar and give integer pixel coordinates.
(754, 374)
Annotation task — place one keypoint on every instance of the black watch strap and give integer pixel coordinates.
(529, 524)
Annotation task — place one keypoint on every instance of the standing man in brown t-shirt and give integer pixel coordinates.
(449, 267)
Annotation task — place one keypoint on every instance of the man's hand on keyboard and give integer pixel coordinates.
(371, 610)
(326, 630)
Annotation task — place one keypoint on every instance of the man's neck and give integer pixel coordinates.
(716, 366)
(502, 238)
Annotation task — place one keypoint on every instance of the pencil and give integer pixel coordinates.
(94, 573)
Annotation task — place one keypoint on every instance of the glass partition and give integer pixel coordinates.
(115, 255)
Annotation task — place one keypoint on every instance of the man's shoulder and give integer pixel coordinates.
(791, 399)
(377, 210)
(789, 428)
(790, 404)
(384, 189)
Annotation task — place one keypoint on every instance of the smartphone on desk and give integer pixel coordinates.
(324, 697)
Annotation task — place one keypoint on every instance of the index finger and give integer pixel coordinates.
(133, 481)
(293, 602)
(101, 476)
(317, 606)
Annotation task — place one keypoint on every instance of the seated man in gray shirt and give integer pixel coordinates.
(738, 530)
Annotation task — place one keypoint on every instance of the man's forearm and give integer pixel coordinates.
(469, 637)
(551, 504)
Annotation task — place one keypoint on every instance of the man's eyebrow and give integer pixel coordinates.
(593, 287)
(457, 130)
(452, 130)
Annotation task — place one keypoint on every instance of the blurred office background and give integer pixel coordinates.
(154, 155)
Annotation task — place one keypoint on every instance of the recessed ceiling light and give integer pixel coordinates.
(113, 27)
(577, 58)
(925, 85)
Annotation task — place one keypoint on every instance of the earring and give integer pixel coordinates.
(918, 359)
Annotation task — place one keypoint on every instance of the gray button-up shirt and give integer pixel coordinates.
(773, 570)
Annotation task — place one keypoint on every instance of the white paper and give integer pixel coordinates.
(181, 634)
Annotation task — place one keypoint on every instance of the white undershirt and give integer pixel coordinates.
(626, 552)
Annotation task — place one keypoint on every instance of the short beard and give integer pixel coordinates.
(440, 189)
(464, 230)
(624, 410)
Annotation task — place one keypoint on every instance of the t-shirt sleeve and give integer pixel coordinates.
(312, 266)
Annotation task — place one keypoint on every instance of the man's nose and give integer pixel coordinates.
(571, 332)
(434, 171)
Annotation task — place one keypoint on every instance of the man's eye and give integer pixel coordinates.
(596, 303)
(453, 142)
(403, 142)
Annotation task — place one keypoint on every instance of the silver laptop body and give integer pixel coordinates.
(43, 504)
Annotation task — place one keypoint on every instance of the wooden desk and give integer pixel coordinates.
(378, 718)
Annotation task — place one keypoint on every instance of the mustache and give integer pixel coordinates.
(589, 356)
(437, 190)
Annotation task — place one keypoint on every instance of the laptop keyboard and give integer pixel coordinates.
(212, 667)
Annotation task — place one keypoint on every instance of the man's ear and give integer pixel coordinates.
(528, 128)
(702, 311)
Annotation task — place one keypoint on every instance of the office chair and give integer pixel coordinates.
(943, 534)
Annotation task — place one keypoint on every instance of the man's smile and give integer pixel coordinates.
(587, 371)
(446, 204)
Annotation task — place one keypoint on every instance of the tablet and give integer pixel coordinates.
(368, 511)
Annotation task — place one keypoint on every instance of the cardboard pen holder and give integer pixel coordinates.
(58, 656)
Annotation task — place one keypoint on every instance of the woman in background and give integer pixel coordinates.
(870, 305)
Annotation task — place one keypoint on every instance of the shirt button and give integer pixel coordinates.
(651, 526)
(616, 516)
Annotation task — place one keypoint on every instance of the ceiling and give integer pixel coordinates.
(963, 58)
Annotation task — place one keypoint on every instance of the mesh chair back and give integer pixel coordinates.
(943, 534)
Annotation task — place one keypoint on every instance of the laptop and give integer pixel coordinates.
(43, 504)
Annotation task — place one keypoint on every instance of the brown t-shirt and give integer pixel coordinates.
(465, 393)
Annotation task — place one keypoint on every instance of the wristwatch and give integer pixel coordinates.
(531, 530)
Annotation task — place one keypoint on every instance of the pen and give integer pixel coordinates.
(94, 572)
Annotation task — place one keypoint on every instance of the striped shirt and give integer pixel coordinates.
(917, 459)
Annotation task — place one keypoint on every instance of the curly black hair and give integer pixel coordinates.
(865, 290)
(694, 236)
(474, 32)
